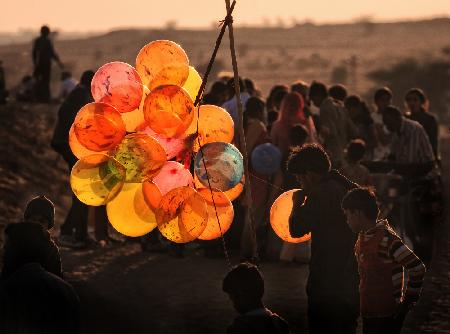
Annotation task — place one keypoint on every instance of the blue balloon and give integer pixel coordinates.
(224, 164)
(266, 159)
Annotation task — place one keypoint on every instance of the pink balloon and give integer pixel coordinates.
(173, 175)
(119, 85)
(173, 145)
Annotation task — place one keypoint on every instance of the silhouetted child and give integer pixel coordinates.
(382, 258)
(38, 218)
(68, 84)
(33, 300)
(245, 287)
(352, 168)
(25, 91)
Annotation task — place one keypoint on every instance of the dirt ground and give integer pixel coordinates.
(125, 290)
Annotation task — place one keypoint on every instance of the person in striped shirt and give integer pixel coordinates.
(383, 259)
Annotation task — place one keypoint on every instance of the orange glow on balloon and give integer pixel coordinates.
(162, 62)
(99, 127)
(214, 125)
(77, 149)
(193, 83)
(129, 214)
(141, 155)
(152, 194)
(119, 85)
(135, 118)
(231, 194)
(279, 217)
(97, 179)
(182, 215)
(168, 110)
(224, 210)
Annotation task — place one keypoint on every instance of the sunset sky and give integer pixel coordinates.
(88, 15)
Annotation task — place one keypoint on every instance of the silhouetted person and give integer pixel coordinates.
(338, 92)
(332, 286)
(416, 101)
(352, 168)
(78, 213)
(67, 84)
(43, 53)
(33, 300)
(25, 92)
(250, 87)
(217, 95)
(3, 92)
(383, 259)
(231, 104)
(244, 285)
(382, 98)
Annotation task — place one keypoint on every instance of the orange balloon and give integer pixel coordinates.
(119, 85)
(220, 214)
(162, 62)
(135, 118)
(168, 110)
(182, 215)
(99, 127)
(77, 149)
(141, 155)
(231, 194)
(279, 217)
(152, 194)
(215, 124)
(96, 179)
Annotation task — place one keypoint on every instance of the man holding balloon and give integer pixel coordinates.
(332, 288)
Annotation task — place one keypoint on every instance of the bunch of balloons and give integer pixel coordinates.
(134, 145)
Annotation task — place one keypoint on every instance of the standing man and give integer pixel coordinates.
(43, 54)
(332, 288)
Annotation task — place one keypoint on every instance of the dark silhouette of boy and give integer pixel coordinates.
(332, 288)
(33, 300)
(244, 285)
(43, 53)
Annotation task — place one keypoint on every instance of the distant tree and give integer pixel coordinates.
(171, 25)
(339, 74)
(432, 76)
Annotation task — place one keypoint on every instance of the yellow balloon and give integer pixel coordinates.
(193, 83)
(182, 215)
(221, 209)
(96, 179)
(215, 124)
(129, 214)
(162, 63)
(135, 118)
(279, 217)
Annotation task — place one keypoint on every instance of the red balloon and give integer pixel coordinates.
(99, 127)
(119, 85)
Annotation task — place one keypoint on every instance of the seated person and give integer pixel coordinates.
(245, 287)
(352, 168)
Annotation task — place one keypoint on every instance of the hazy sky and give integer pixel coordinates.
(85, 15)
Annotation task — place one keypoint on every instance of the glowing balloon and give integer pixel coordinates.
(173, 175)
(279, 217)
(214, 125)
(224, 165)
(193, 83)
(129, 214)
(97, 179)
(266, 159)
(99, 127)
(231, 194)
(173, 145)
(119, 85)
(224, 210)
(152, 194)
(162, 63)
(135, 118)
(141, 155)
(168, 110)
(182, 215)
(77, 149)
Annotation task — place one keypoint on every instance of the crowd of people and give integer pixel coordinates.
(370, 191)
